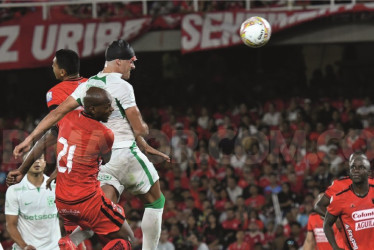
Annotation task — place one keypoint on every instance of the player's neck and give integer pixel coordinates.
(35, 179)
(71, 77)
(361, 189)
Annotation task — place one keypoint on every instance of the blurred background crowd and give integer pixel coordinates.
(133, 9)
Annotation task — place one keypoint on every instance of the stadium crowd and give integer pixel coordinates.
(229, 164)
(134, 9)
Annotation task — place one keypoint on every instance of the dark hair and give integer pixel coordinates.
(119, 50)
(68, 60)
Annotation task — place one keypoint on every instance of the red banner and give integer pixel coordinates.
(219, 30)
(29, 42)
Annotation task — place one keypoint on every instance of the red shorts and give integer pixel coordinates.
(97, 213)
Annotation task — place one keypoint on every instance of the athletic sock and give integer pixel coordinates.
(151, 223)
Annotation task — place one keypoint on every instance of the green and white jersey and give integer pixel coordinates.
(38, 220)
(123, 98)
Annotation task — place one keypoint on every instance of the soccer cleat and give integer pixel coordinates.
(118, 244)
(65, 243)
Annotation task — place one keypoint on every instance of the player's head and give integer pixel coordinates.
(359, 169)
(120, 57)
(66, 63)
(356, 154)
(98, 104)
(38, 166)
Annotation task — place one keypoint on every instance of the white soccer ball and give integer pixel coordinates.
(255, 32)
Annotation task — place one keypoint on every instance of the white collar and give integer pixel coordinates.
(31, 186)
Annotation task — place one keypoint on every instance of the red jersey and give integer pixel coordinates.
(57, 94)
(357, 215)
(242, 246)
(81, 143)
(315, 225)
(340, 185)
(255, 202)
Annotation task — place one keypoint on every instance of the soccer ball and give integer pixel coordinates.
(255, 32)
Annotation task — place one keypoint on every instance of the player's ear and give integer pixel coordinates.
(63, 72)
(92, 110)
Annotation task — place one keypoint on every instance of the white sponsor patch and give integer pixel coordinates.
(319, 235)
(49, 96)
(363, 214)
(364, 224)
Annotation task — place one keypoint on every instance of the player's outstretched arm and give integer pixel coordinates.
(321, 205)
(310, 242)
(149, 149)
(11, 225)
(139, 127)
(49, 139)
(327, 228)
(52, 118)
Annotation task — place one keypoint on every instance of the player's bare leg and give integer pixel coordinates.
(110, 192)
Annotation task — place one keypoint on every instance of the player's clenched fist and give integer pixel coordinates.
(21, 148)
(14, 177)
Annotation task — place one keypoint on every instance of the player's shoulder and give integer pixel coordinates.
(19, 187)
(313, 215)
(371, 181)
(115, 79)
(343, 192)
(345, 180)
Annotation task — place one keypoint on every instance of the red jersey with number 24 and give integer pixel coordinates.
(357, 215)
(81, 143)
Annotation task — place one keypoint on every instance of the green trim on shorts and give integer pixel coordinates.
(157, 204)
(144, 166)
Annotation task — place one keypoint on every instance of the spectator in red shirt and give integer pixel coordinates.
(231, 222)
(255, 200)
(203, 170)
(240, 244)
(254, 235)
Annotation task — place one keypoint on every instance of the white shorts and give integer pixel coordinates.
(128, 169)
